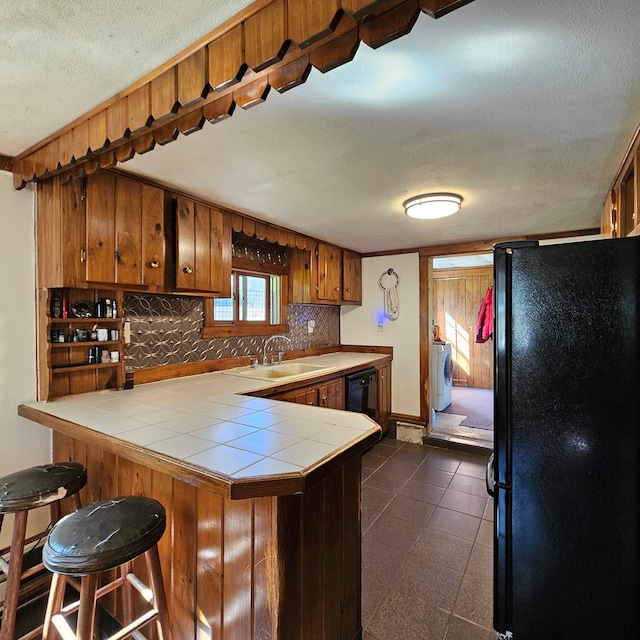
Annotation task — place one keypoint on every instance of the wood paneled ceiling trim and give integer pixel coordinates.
(6, 163)
(271, 44)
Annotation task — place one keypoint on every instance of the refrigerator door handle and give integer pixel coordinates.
(490, 480)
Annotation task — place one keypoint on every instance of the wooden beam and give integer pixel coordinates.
(271, 43)
(6, 163)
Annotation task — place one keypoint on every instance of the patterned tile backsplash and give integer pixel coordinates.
(167, 330)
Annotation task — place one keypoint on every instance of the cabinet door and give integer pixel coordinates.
(220, 233)
(203, 240)
(329, 273)
(60, 234)
(305, 395)
(299, 276)
(331, 394)
(128, 231)
(185, 244)
(101, 241)
(351, 277)
(383, 412)
(153, 238)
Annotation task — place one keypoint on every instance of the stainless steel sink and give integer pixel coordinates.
(278, 371)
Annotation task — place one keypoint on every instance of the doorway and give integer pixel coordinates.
(460, 285)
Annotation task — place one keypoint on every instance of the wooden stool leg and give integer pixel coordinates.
(127, 600)
(87, 611)
(159, 595)
(7, 630)
(54, 604)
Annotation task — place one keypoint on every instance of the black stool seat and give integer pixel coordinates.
(41, 485)
(104, 535)
(20, 492)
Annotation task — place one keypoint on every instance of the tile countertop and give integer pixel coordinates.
(206, 424)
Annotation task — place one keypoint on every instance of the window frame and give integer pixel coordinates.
(234, 328)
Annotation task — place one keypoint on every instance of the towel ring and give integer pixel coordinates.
(389, 272)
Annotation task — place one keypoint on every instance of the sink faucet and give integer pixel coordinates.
(267, 341)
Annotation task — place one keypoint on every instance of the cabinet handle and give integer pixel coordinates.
(337, 288)
(154, 264)
(311, 404)
(324, 399)
(187, 270)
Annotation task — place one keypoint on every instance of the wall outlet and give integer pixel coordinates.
(311, 325)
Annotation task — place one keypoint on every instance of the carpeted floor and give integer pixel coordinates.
(475, 404)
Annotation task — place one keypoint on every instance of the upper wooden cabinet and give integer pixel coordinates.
(328, 273)
(620, 212)
(300, 277)
(60, 234)
(338, 275)
(125, 232)
(203, 249)
(351, 277)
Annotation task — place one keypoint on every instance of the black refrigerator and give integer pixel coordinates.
(564, 474)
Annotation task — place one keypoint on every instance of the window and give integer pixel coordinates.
(254, 298)
(256, 306)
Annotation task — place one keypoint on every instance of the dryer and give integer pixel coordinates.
(440, 379)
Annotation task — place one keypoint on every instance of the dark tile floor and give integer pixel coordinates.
(426, 544)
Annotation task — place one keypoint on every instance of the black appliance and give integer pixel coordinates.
(564, 474)
(361, 390)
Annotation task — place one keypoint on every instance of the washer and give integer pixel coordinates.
(441, 381)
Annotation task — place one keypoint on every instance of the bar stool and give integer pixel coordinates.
(20, 492)
(97, 538)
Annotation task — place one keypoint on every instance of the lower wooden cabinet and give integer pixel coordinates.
(329, 394)
(383, 412)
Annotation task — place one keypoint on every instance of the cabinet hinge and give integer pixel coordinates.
(83, 191)
(83, 255)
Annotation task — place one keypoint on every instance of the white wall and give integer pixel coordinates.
(22, 442)
(359, 325)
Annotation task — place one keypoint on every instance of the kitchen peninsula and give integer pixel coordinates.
(262, 496)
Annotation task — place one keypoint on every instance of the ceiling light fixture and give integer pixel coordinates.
(432, 205)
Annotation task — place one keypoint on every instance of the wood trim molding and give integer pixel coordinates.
(6, 163)
(271, 44)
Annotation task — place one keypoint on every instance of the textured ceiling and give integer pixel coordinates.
(524, 107)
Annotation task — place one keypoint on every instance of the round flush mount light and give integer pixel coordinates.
(432, 205)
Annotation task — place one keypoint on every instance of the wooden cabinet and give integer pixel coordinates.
(328, 273)
(125, 232)
(620, 215)
(351, 277)
(60, 234)
(383, 411)
(203, 248)
(337, 275)
(329, 394)
(78, 354)
(300, 276)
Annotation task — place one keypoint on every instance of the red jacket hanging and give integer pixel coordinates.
(484, 326)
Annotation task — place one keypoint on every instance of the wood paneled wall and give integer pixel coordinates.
(263, 568)
(271, 44)
(457, 296)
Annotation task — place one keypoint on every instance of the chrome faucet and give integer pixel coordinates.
(267, 341)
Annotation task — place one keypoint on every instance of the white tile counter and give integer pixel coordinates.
(204, 424)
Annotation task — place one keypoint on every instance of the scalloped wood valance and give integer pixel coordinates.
(270, 45)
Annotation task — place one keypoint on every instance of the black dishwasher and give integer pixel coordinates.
(362, 394)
